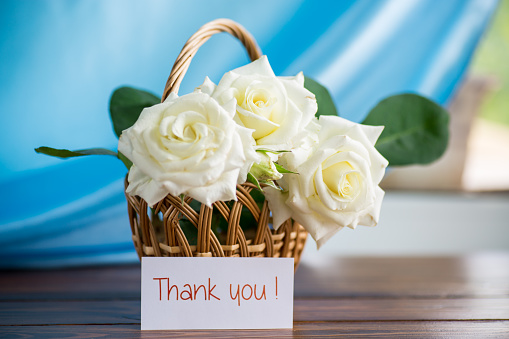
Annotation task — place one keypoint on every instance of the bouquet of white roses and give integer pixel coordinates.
(281, 134)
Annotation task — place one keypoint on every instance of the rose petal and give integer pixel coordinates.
(143, 186)
(207, 87)
(220, 190)
(277, 204)
(260, 66)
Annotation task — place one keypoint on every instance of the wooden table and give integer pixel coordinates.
(368, 297)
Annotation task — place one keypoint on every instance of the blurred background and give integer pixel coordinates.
(60, 61)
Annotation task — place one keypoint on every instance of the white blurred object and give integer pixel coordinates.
(487, 162)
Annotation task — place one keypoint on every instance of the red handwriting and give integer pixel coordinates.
(247, 292)
(187, 292)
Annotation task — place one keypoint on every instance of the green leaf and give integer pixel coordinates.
(283, 170)
(323, 98)
(128, 163)
(416, 129)
(269, 183)
(65, 153)
(126, 104)
(251, 178)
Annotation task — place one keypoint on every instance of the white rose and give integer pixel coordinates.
(337, 184)
(187, 145)
(276, 108)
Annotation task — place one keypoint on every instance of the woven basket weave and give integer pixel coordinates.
(158, 232)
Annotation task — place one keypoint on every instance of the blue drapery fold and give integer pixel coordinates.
(60, 62)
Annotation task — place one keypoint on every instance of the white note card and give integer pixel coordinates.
(216, 293)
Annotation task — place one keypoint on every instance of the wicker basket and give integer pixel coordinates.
(159, 231)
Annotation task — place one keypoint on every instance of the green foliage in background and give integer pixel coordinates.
(492, 59)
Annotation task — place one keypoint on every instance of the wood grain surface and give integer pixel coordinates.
(438, 297)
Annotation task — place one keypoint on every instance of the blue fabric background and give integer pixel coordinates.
(60, 61)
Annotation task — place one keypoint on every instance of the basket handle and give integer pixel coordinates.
(183, 61)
